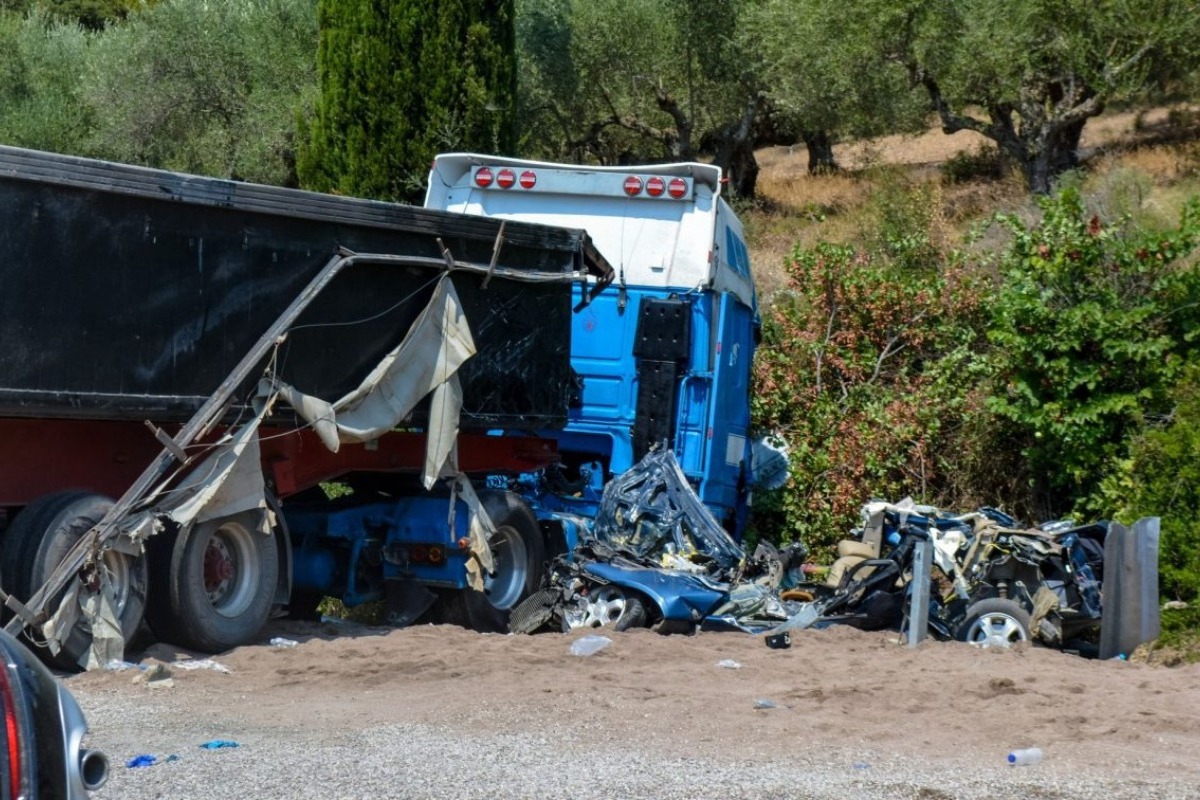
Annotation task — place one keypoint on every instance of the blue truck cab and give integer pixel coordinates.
(663, 354)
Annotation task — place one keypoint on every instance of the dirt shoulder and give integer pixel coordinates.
(850, 698)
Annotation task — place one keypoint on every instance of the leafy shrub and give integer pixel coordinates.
(1162, 479)
(1090, 330)
(862, 370)
(981, 163)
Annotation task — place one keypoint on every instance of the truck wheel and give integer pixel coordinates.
(219, 583)
(519, 556)
(40, 538)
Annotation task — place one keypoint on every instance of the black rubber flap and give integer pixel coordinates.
(664, 331)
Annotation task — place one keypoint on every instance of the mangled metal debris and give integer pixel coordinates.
(655, 556)
(652, 513)
(994, 582)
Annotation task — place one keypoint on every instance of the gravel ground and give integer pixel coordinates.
(448, 714)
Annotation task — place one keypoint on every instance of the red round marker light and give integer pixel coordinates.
(505, 178)
(677, 188)
(528, 179)
(656, 186)
(483, 177)
(633, 185)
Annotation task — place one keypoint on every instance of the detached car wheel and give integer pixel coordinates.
(604, 607)
(995, 622)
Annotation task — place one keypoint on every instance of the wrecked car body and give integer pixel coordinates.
(993, 582)
(655, 556)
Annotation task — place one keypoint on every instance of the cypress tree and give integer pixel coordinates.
(400, 81)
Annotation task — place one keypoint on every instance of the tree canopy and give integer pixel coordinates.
(402, 80)
(207, 89)
(824, 85)
(627, 80)
(1027, 74)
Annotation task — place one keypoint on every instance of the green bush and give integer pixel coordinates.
(1162, 479)
(1092, 326)
(865, 368)
(981, 163)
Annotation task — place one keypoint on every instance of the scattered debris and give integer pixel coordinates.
(779, 641)
(145, 760)
(729, 663)
(1025, 757)
(219, 744)
(589, 645)
(280, 643)
(201, 663)
(765, 704)
(155, 675)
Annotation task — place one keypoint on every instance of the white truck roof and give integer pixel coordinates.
(663, 225)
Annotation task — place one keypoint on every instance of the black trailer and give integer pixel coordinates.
(128, 292)
(131, 295)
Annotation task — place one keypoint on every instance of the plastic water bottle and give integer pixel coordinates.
(589, 645)
(1023, 758)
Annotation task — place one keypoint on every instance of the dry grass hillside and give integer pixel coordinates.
(1134, 162)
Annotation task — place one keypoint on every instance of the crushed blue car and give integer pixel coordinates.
(655, 556)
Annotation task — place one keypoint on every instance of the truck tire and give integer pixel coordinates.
(520, 555)
(216, 583)
(40, 537)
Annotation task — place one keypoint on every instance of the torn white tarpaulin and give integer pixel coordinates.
(98, 608)
(108, 642)
(228, 481)
(59, 626)
(428, 359)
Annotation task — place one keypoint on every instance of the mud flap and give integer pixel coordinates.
(661, 347)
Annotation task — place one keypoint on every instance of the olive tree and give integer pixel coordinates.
(211, 88)
(40, 69)
(822, 84)
(624, 80)
(1027, 74)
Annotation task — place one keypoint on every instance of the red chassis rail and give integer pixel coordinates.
(42, 456)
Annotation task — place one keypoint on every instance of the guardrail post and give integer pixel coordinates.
(918, 591)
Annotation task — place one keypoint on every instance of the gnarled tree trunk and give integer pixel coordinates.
(820, 152)
(735, 151)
